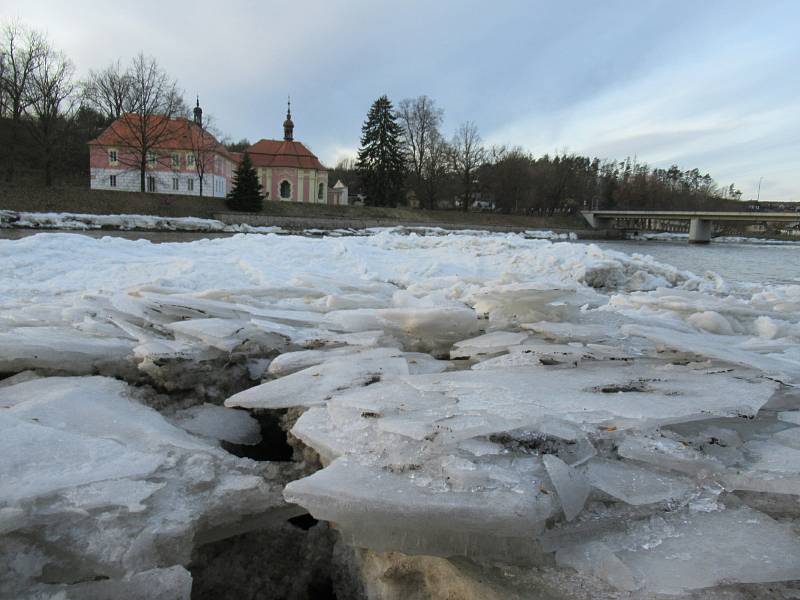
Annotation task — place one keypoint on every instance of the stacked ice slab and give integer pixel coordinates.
(102, 497)
(562, 441)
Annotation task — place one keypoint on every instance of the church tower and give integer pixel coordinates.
(198, 113)
(288, 125)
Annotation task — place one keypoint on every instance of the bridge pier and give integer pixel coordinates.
(699, 231)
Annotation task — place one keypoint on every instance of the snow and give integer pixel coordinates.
(83, 222)
(468, 394)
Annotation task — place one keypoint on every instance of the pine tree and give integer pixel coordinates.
(245, 195)
(380, 164)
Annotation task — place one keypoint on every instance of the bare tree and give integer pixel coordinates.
(435, 168)
(420, 119)
(3, 93)
(145, 125)
(52, 100)
(204, 148)
(23, 49)
(467, 154)
(107, 91)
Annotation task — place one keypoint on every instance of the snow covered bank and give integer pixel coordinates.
(607, 423)
(84, 222)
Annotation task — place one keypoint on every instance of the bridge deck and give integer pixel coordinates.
(686, 214)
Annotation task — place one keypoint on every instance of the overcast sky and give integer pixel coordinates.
(712, 84)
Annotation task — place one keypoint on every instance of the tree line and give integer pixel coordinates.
(47, 115)
(404, 158)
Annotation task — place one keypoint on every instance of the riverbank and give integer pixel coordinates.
(291, 215)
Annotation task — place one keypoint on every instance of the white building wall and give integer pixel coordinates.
(214, 186)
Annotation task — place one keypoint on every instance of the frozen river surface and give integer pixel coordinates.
(616, 420)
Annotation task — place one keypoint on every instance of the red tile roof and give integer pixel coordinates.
(281, 153)
(171, 134)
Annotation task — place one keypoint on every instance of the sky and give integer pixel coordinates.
(713, 85)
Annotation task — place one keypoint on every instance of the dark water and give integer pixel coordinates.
(739, 262)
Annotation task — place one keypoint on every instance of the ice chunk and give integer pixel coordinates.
(227, 334)
(61, 461)
(316, 385)
(291, 362)
(633, 484)
(384, 509)
(570, 484)
(62, 349)
(790, 416)
(572, 332)
(703, 549)
(597, 559)
(423, 328)
(626, 396)
(116, 490)
(719, 347)
(94, 406)
(668, 453)
(487, 344)
(230, 425)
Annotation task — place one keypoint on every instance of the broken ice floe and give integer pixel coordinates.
(99, 486)
(477, 395)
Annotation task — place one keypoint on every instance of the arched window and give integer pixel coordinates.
(286, 189)
(321, 191)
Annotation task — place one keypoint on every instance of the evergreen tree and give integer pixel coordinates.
(245, 195)
(380, 164)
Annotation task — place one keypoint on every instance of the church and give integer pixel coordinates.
(289, 171)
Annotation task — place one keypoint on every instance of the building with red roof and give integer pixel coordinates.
(179, 156)
(158, 154)
(289, 171)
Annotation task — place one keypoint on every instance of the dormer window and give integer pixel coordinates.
(112, 157)
(151, 159)
(176, 161)
(190, 160)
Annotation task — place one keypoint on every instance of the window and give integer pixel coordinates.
(176, 161)
(286, 189)
(151, 159)
(190, 184)
(190, 160)
(151, 184)
(321, 191)
(112, 157)
(112, 181)
(175, 183)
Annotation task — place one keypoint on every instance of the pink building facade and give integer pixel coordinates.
(186, 158)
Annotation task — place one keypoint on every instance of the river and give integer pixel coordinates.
(737, 262)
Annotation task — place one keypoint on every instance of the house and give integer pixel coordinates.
(179, 156)
(337, 195)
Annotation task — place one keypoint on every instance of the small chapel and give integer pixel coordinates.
(289, 171)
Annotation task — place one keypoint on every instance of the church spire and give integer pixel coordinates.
(288, 125)
(198, 113)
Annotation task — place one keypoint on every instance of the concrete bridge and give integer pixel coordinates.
(700, 223)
